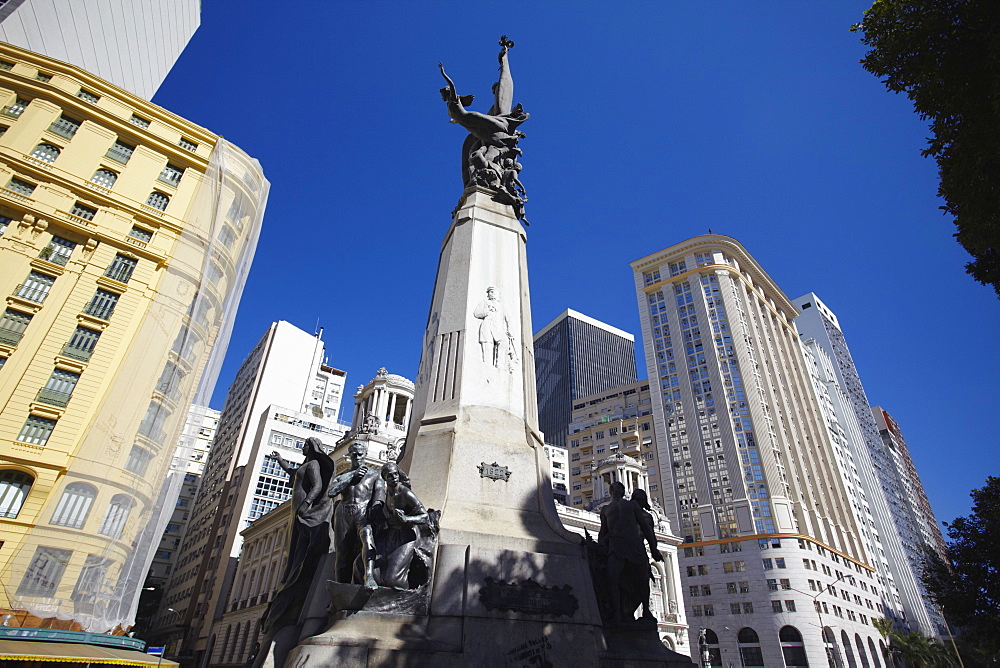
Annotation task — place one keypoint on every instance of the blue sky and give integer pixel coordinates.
(651, 123)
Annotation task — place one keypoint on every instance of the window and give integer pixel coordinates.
(88, 96)
(790, 606)
(709, 610)
(102, 305)
(750, 652)
(58, 251)
(43, 77)
(137, 120)
(59, 388)
(138, 460)
(88, 585)
(744, 587)
(74, 505)
(120, 152)
(4, 222)
(36, 287)
(734, 608)
(158, 200)
(140, 234)
(121, 269)
(776, 606)
(768, 564)
(17, 108)
(12, 326)
(779, 562)
(694, 590)
(83, 211)
(46, 153)
(731, 587)
(747, 608)
(171, 174)
(36, 430)
(116, 516)
(187, 144)
(65, 127)
(44, 572)
(104, 178)
(21, 187)
(706, 590)
(727, 566)
(6, 65)
(772, 585)
(81, 344)
(792, 647)
(14, 488)
(741, 566)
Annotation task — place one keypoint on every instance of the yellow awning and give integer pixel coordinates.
(68, 652)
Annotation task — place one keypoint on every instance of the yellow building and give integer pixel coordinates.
(125, 238)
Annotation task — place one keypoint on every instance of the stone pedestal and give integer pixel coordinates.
(510, 586)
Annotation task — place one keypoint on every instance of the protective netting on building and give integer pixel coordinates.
(131, 459)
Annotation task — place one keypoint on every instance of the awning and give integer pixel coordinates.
(67, 652)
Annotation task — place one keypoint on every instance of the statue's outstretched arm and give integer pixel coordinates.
(453, 96)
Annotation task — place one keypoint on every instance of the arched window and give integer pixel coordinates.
(114, 520)
(14, 487)
(46, 153)
(792, 648)
(861, 651)
(750, 652)
(714, 652)
(874, 653)
(243, 645)
(848, 652)
(158, 200)
(74, 506)
(104, 177)
(225, 643)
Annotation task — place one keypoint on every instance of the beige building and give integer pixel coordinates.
(612, 438)
(125, 235)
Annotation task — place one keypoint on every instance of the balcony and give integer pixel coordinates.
(63, 129)
(32, 292)
(13, 110)
(118, 155)
(80, 354)
(10, 338)
(53, 397)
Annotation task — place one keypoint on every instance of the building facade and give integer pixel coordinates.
(577, 356)
(559, 467)
(879, 467)
(130, 43)
(774, 569)
(604, 426)
(270, 407)
(127, 233)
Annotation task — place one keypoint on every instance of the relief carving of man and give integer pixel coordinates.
(494, 330)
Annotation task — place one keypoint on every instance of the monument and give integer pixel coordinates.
(459, 557)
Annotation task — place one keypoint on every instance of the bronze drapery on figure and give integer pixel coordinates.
(490, 152)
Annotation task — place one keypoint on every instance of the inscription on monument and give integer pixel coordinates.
(529, 597)
(494, 471)
(530, 653)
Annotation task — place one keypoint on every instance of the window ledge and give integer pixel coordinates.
(24, 304)
(50, 268)
(46, 411)
(112, 285)
(92, 321)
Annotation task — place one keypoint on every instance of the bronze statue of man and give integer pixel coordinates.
(623, 529)
(352, 532)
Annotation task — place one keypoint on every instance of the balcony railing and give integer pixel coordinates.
(117, 155)
(13, 110)
(77, 353)
(53, 397)
(10, 338)
(32, 292)
(100, 311)
(66, 130)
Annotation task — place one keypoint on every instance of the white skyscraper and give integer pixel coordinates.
(882, 467)
(131, 43)
(773, 561)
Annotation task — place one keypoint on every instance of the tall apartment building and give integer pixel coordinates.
(126, 233)
(893, 507)
(271, 406)
(577, 356)
(613, 425)
(130, 43)
(775, 569)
